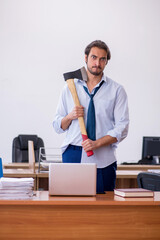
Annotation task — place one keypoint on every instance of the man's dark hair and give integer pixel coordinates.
(98, 44)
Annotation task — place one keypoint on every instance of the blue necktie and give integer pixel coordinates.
(91, 119)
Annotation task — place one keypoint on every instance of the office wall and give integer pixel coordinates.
(42, 39)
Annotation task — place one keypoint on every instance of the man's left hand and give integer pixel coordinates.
(92, 145)
(88, 145)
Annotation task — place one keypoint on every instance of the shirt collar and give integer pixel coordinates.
(104, 78)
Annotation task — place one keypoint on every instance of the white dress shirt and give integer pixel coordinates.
(112, 118)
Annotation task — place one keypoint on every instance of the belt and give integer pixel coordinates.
(75, 147)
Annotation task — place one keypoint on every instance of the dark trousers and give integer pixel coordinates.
(106, 177)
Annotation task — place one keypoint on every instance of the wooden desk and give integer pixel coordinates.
(17, 165)
(101, 217)
(125, 179)
(138, 167)
(119, 167)
(42, 180)
(18, 173)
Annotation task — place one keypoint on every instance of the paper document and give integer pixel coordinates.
(16, 188)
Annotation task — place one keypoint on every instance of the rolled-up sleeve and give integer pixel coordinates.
(121, 116)
(61, 112)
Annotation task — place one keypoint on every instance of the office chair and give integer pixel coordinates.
(150, 181)
(20, 147)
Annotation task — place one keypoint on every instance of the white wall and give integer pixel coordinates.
(42, 39)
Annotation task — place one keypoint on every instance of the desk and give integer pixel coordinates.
(137, 167)
(119, 167)
(17, 165)
(126, 175)
(18, 173)
(124, 179)
(101, 217)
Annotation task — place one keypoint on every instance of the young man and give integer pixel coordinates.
(111, 117)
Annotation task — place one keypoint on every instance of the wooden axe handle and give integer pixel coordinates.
(72, 88)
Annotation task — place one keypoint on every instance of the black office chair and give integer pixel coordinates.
(150, 181)
(20, 147)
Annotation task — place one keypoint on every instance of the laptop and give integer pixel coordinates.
(72, 179)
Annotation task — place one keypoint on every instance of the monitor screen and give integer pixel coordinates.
(151, 148)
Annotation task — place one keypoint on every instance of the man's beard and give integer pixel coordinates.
(94, 73)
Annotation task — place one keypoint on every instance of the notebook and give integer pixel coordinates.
(72, 179)
(133, 192)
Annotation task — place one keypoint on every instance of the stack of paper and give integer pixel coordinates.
(16, 188)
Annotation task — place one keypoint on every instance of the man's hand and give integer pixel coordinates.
(89, 145)
(92, 145)
(78, 111)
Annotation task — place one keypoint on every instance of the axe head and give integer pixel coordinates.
(79, 74)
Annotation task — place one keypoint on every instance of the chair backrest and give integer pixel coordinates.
(150, 181)
(20, 147)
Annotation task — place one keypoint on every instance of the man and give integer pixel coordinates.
(111, 117)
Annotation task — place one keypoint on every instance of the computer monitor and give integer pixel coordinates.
(151, 149)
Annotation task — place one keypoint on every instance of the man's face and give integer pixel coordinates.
(96, 61)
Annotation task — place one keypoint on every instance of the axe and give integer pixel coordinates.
(69, 78)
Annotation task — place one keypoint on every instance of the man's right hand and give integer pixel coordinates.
(78, 111)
